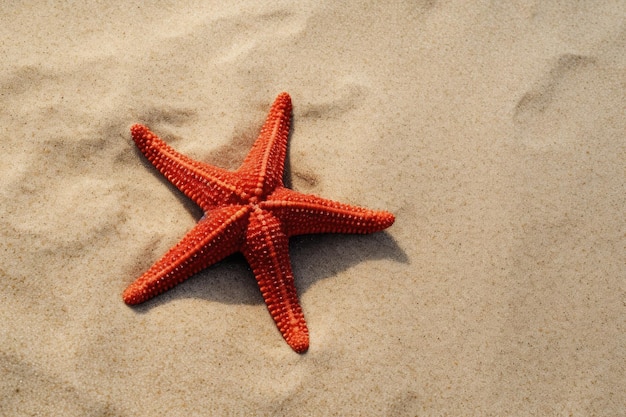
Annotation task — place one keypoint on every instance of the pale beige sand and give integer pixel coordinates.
(495, 133)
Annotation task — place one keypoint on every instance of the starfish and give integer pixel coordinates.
(249, 211)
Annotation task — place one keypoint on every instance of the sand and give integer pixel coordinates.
(494, 131)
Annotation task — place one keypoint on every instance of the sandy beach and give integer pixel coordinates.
(494, 132)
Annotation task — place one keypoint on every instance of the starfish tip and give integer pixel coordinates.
(282, 104)
(131, 297)
(388, 219)
(299, 344)
(137, 128)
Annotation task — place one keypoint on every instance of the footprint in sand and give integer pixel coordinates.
(546, 115)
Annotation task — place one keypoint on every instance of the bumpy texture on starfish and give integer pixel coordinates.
(251, 211)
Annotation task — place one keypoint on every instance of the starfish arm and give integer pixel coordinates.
(206, 185)
(263, 167)
(267, 251)
(214, 237)
(307, 213)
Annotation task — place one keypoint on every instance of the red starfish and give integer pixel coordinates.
(250, 211)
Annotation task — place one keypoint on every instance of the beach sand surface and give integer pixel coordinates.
(494, 131)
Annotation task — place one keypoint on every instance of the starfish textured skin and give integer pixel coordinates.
(249, 211)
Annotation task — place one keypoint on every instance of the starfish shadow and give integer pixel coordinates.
(317, 257)
(314, 258)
